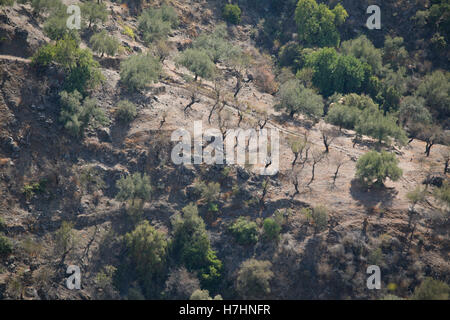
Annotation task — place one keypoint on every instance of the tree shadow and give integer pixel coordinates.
(373, 197)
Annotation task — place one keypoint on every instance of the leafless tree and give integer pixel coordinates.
(300, 148)
(445, 154)
(316, 157)
(329, 134)
(339, 159)
(194, 92)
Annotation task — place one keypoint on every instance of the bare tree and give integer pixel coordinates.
(194, 92)
(316, 157)
(329, 134)
(163, 120)
(299, 146)
(339, 159)
(445, 154)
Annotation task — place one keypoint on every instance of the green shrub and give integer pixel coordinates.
(198, 62)
(363, 49)
(77, 114)
(156, 24)
(295, 98)
(335, 72)
(435, 89)
(319, 217)
(192, 248)
(232, 13)
(82, 71)
(431, 289)
(203, 295)
(134, 187)
(373, 123)
(317, 24)
(374, 167)
(126, 111)
(253, 280)
(214, 44)
(103, 43)
(343, 116)
(6, 246)
(271, 229)
(244, 231)
(147, 250)
(94, 12)
(138, 71)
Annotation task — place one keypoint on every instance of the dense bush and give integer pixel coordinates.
(103, 43)
(214, 44)
(156, 24)
(431, 289)
(82, 71)
(373, 123)
(335, 72)
(198, 62)
(271, 229)
(413, 111)
(374, 167)
(435, 89)
(147, 251)
(253, 280)
(191, 246)
(319, 217)
(295, 98)
(232, 13)
(126, 111)
(134, 187)
(363, 49)
(94, 12)
(77, 114)
(244, 231)
(317, 24)
(138, 71)
(6, 246)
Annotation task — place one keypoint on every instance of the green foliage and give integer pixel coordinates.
(133, 187)
(442, 194)
(375, 257)
(431, 289)
(6, 2)
(244, 231)
(214, 44)
(374, 167)
(291, 55)
(103, 43)
(435, 89)
(82, 71)
(192, 248)
(373, 123)
(295, 98)
(317, 24)
(156, 24)
(395, 53)
(138, 71)
(55, 27)
(29, 190)
(147, 250)
(44, 7)
(94, 12)
(209, 192)
(343, 116)
(6, 246)
(271, 229)
(77, 115)
(232, 13)
(198, 62)
(253, 281)
(319, 217)
(334, 72)
(126, 111)
(203, 295)
(65, 239)
(413, 111)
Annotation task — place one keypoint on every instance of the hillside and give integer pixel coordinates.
(89, 180)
